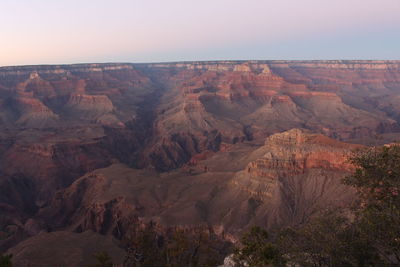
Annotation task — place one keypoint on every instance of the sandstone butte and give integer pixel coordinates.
(89, 150)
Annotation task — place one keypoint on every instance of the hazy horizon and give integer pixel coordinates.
(66, 32)
(204, 61)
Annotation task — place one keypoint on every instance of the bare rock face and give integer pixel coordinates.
(297, 150)
(292, 176)
(35, 85)
(300, 173)
(58, 123)
(94, 108)
(251, 100)
(188, 108)
(90, 103)
(33, 113)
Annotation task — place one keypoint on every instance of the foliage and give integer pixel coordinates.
(327, 240)
(256, 250)
(377, 177)
(377, 181)
(144, 248)
(103, 260)
(147, 247)
(5, 260)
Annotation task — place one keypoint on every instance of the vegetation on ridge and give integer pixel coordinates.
(5, 260)
(368, 235)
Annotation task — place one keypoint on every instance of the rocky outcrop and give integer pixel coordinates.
(33, 113)
(94, 108)
(299, 173)
(90, 103)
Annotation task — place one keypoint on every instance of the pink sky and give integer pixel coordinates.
(72, 31)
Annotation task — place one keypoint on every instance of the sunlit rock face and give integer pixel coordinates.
(298, 173)
(59, 124)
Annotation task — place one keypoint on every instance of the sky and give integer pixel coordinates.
(82, 31)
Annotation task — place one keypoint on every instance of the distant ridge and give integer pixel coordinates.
(85, 65)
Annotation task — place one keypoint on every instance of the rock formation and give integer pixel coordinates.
(294, 175)
(194, 143)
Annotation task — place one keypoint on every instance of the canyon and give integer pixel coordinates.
(88, 150)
